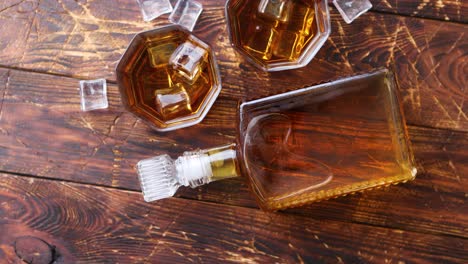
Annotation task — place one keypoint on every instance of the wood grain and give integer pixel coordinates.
(87, 38)
(95, 224)
(448, 10)
(43, 133)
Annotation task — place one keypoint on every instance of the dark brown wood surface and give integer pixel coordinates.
(96, 224)
(75, 194)
(448, 10)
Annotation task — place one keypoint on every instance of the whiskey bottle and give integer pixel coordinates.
(302, 146)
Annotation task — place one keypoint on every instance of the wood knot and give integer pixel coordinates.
(34, 250)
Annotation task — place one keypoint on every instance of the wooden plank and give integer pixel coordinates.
(4, 83)
(448, 10)
(43, 132)
(66, 222)
(86, 39)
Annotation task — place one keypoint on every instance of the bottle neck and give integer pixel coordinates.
(200, 167)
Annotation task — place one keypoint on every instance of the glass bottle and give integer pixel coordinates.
(307, 145)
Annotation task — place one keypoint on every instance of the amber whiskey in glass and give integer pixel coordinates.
(278, 34)
(168, 77)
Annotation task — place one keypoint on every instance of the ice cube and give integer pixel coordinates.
(275, 9)
(186, 13)
(198, 90)
(93, 94)
(173, 102)
(188, 60)
(159, 55)
(262, 40)
(302, 20)
(352, 9)
(290, 45)
(151, 9)
(158, 79)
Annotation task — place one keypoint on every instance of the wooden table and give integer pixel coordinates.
(68, 187)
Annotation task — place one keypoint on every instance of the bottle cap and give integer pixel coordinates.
(160, 176)
(157, 178)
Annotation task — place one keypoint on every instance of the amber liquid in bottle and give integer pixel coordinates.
(222, 161)
(325, 142)
(169, 85)
(275, 30)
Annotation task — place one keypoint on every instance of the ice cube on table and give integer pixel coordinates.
(93, 94)
(151, 9)
(352, 9)
(188, 60)
(275, 9)
(186, 13)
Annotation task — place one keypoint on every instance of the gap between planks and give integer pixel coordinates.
(416, 17)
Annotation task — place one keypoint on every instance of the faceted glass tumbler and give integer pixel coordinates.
(278, 35)
(168, 78)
